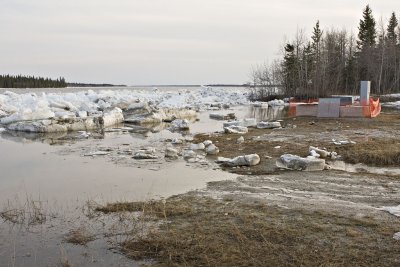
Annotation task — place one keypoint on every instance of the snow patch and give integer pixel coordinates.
(396, 236)
(392, 210)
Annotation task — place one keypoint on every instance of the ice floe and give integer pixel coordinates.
(137, 105)
(246, 160)
(293, 162)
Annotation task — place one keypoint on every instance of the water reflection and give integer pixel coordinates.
(60, 138)
(25, 137)
(267, 114)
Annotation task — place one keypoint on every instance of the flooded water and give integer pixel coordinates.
(52, 166)
(51, 174)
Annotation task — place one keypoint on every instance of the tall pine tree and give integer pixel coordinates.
(316, 40)
(392, 28)
(367, 30)
(316, 45)
(290, 69)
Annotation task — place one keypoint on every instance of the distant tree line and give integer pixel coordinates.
(94, 85)
(334, 61)
(19, 81)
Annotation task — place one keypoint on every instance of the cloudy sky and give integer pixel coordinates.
(161, 41)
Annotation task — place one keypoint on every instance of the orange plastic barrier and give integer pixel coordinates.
(374, 107)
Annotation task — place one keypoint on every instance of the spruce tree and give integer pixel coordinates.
(391, 29)
(367, 30)
(290, 68)
(316, 45)
(316, 39)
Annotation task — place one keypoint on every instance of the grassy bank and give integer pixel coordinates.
(201, 231)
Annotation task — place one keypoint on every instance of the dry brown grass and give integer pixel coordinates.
(375, 152)
(13, 215)
(233, 233)
(158, 209)
(80, 236)
(65, 263)
(30, 212)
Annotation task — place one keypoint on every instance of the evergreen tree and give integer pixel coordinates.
(290, 69)
(316, 46)
(19, 81)
(367, 30)
(316, 40)
(392, 28)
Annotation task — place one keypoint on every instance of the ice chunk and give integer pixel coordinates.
(396, 236)
(199, 146)
(28, 115)
(188, 154)
(97, 153)
(82, 114)
(268, 125)
(240, 140)
(276, 102)
(320, 152)
(247, 160)
(83, 134)
(171, 153)
(212, 150)
(236, 129)
(180, 125)
(229, 116)
(145, 153)
(207, 142)
(314, 154)
(113, 117)
(292, 162)
(176, 141)
(249, 122)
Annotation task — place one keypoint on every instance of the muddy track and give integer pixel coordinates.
(329, 191)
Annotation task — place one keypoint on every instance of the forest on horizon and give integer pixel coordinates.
(334, 61)
(20, 81)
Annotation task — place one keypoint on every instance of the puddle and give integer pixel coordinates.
(362, 168)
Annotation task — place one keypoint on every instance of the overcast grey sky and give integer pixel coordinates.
(161, 41)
